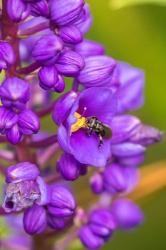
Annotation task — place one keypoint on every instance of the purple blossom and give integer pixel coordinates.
(46, 44)
(24, 187)
(97, 72)
(47, 49)
(131, 87)
(35, 220)
(127, 214)
(14, 126)
(62, 203)
(70, 168)
(7, 56)
(100, 226)
(18, 10)
(14, 93)
(89, 48)
(88, 152)
(40, 8)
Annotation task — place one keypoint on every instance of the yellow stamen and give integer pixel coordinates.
(80, 123)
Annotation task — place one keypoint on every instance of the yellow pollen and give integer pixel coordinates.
(80, 123)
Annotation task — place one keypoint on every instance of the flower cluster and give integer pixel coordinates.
(15, 119)
(43, 204)
(94, 129)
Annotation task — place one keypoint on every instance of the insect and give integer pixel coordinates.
(93, 125)
(99, 128)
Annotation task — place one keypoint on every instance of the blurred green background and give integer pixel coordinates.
(137, 34)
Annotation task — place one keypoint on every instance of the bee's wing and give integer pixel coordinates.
(108, 131)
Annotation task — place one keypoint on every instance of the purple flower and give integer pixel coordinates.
(47, 49)
(66, 11)
(14, 93)
(98, 71)
(131, 87)
(7, 56)
(71, 19)
(146, 135)
(62, 203)
(96, 183)
(14, 126)
(40, 8)
(130, 138)
(69, 63)
(71, 34)
(127, 214)
(89, 239)
(35, 220)
(89, 48)
(72, 130)
(69, 167)
(55, 222)
(99, 228)
(119, 179)
(24, 187)
(18, 10)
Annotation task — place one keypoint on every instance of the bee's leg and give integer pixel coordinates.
(100, 140)
(89, 131)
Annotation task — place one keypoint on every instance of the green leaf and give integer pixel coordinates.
(117, 4)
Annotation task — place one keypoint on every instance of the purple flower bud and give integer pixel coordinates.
(14, 135)
(127, 149)
(114, 179)
(96, 183)
(102, 222)
(14, 92)
(7, 56)
(62, 107)
(47, 49)
(131, 92)
(28, 122)
(69, 63)
(70, 34)
(84, 20)
(59, 212)
(20, 195)
(17, 10)
(118, 178)
(23, 171)
(40, 8)
(25, 187)
(48, 77)
(69, 167)
(127, 214)
(55, 223)
(89, 48)
(146, 135)
(35, 220)
(135, 160)
(60, 85)
(64, 12)
(89, 239)
(97, 71)
(7, 119)
(123, 127)
(62, 202)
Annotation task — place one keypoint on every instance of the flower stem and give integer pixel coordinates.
(44, 142)
(37, 28)
(28, 69)
(9, 33)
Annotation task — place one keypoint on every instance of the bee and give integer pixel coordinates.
(92, 125)
(99, 128)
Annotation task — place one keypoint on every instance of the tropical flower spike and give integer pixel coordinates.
(41, 43)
